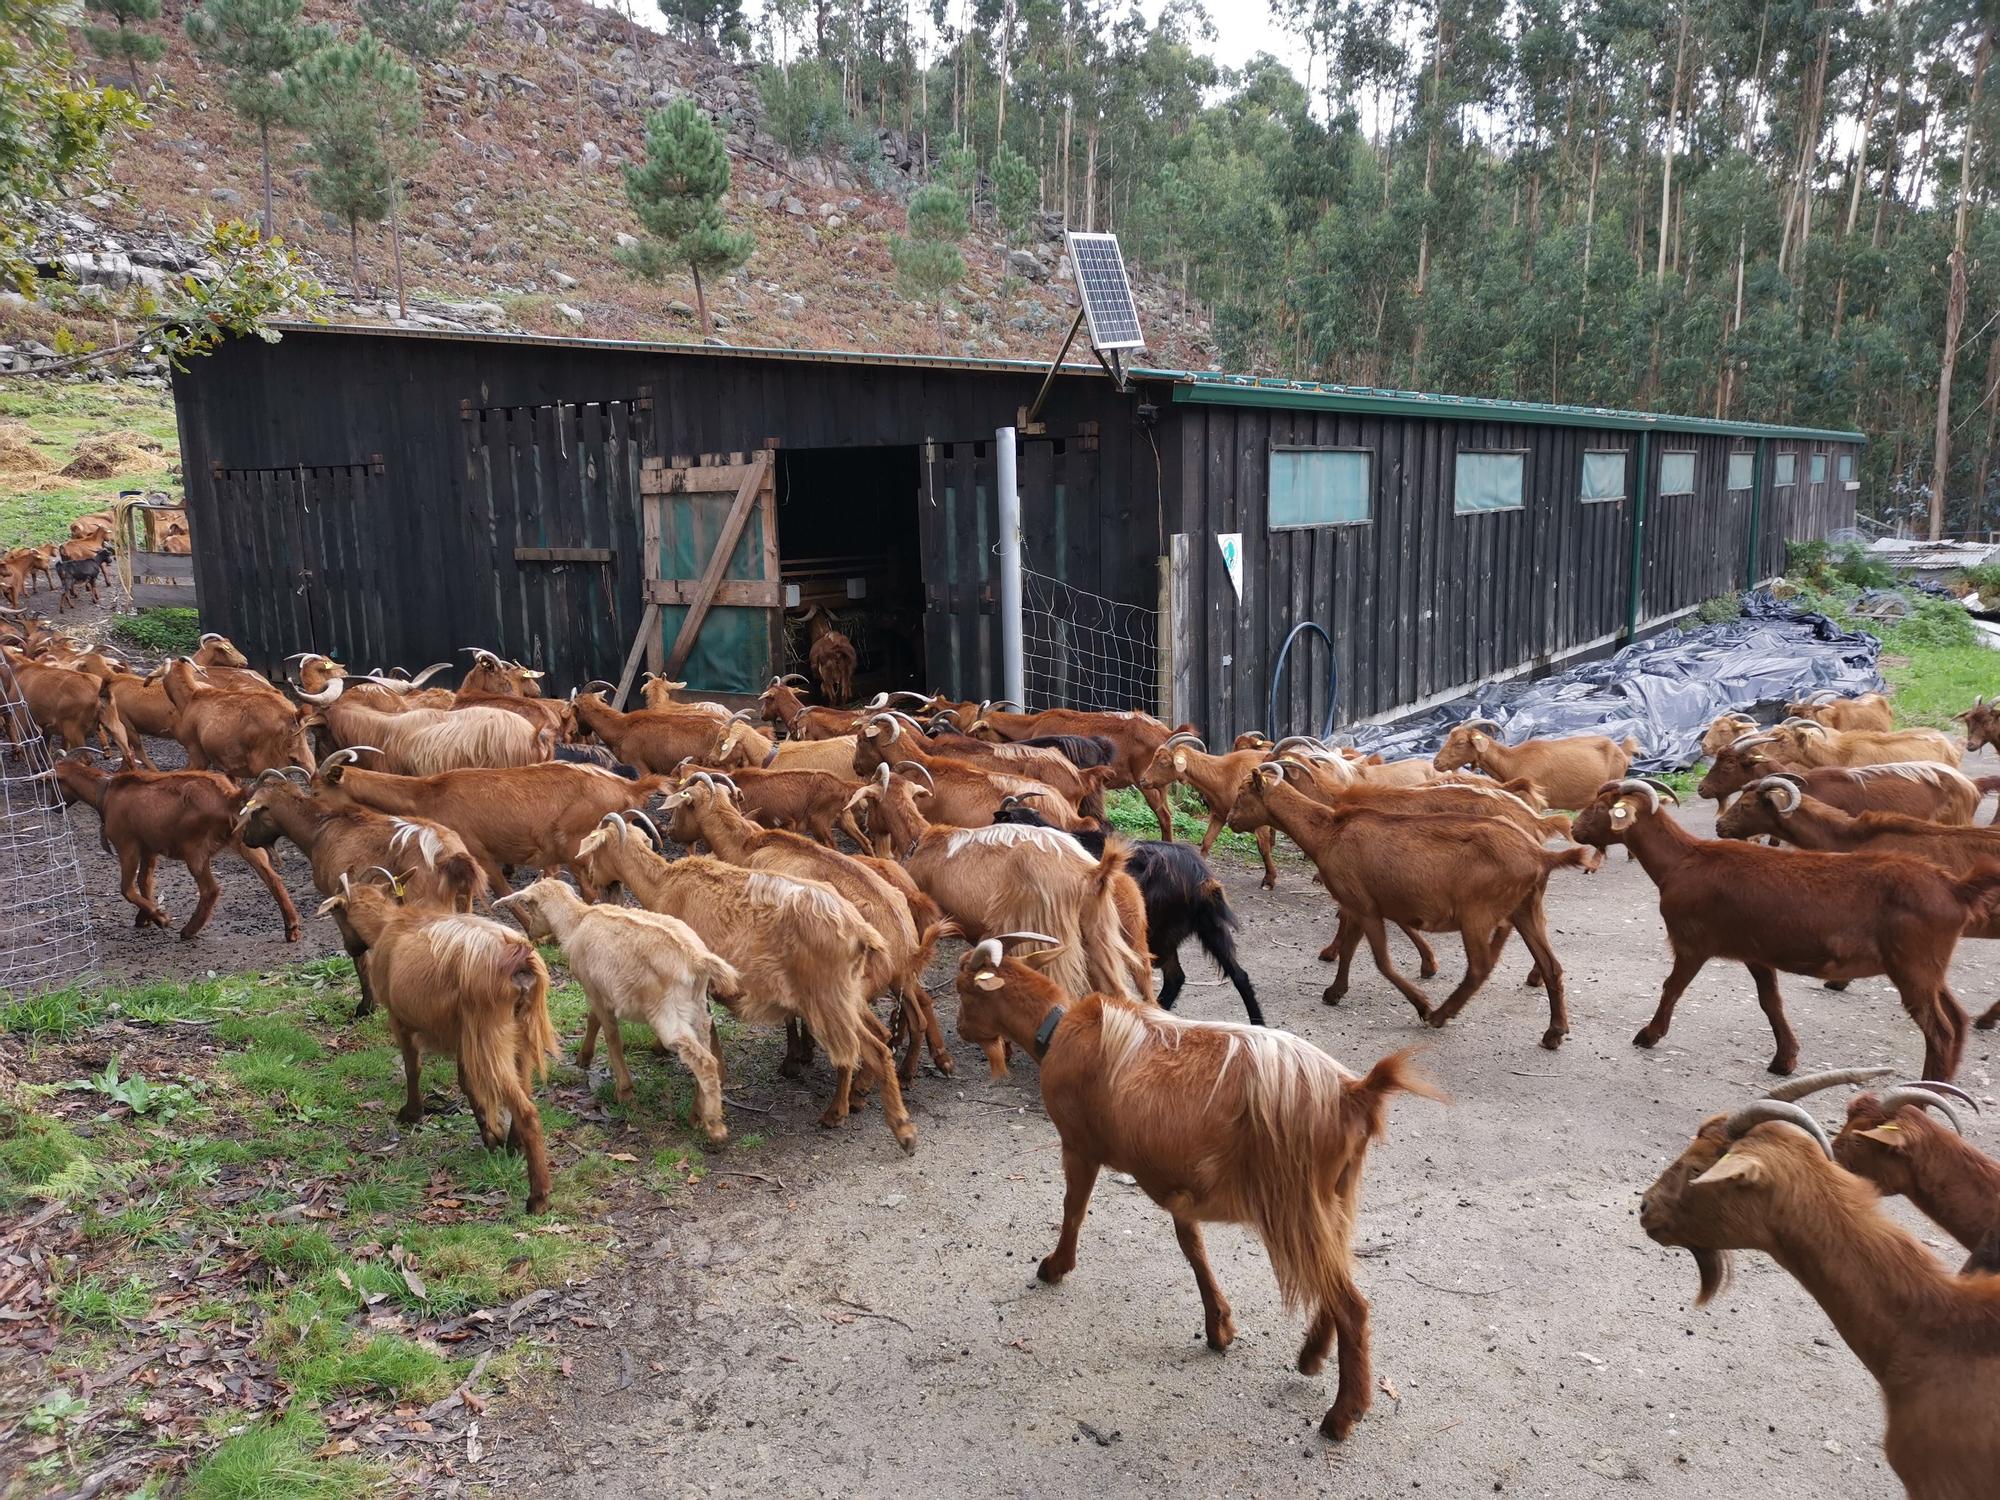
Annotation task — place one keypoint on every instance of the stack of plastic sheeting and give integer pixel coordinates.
(1665, 690)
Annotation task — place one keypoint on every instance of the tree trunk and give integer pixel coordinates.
(1090, 176)
(1954, 307)
(1589, 226)
(1983, 467)
(1667, 149)
(354, 252)
(700, 300)
(396, 245)
(264, 149)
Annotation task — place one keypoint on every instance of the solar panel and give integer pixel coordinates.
(1106, 294)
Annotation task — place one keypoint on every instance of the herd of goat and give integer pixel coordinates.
(843, 845)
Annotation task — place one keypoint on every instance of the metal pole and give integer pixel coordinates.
(1012, 674)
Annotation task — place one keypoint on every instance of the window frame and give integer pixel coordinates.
(1521, 504)
(1791, 456)
(1693, 456)
(1624, 456)
(1845, 469)
(1273, 449)
(1817, 469)
(1729, 468)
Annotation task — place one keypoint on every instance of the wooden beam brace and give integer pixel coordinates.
(747, 593)
(755, 476)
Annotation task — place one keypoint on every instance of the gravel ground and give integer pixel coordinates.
(841, 1320)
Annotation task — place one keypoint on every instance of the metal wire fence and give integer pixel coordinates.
(45, 932)
(1083, 650)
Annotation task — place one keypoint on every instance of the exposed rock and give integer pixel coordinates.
(591, 155)
(573, 314)
(1021, 263)
(794, 207)
(563, 280)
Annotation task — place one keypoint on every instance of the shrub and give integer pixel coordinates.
(1719, 610)
(1825, 563)
(803, 109)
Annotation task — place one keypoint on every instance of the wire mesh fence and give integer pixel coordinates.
(45, 934)
(1083, 650)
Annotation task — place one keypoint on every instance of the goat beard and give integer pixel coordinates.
(1713, 1266)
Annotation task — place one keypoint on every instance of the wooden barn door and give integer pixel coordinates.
(960, 524)
(548, 490)
(305, 580)
(714, 596)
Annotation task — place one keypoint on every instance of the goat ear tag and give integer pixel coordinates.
(1734, 1167)
(1621, 812)
(986, 979)
(1180, 760)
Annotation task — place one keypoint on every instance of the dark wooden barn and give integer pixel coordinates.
(392, 496)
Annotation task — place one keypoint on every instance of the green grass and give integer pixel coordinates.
(170, 630)
(275, 1461)
(275, 1068)
(57, 417)
(1128, 814)
(1933, 660)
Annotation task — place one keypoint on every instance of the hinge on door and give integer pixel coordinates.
(465, 408)
(375, 465)
(644, 400)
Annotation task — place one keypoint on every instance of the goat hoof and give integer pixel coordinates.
(1268, 883)
(1535, 980)
(1336, 1424)
(1329, 953)
(1553, 1039)
(1437, 1020)
(908, 1141)
(1332, 995)
(1836, 985)
(539, 1204)
(1222, 1334)
(791, 1067)
(1782, 1065)
(1647, 1037)
(407, 1116)
(1988, 1021)
(365, 1008)
(1051, 1271)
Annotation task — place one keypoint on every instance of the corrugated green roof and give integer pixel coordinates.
(1189, 386)
(1252, 390)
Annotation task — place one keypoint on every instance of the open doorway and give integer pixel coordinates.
(848, 544)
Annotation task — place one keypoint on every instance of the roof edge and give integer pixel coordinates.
(1210, 391)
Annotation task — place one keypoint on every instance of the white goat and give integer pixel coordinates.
(637, 966)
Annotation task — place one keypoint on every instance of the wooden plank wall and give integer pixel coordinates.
(489, 445)
(1422, 601)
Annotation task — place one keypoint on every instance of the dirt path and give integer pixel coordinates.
(862, 1324)
(841, 1320)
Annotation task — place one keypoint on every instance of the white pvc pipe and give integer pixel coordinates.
(1012, 672)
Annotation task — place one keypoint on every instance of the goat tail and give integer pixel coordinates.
(1391, 1075)
(724, 983)
(927, 942)
(1556, 823)
(1110, 957)
(1979, 892)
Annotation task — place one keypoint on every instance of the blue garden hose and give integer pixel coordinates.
(1278, 673)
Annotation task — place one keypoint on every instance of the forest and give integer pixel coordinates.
(1772, 210)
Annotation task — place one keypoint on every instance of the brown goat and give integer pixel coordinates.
(1219, 1124)
(1435, 872)
(1761, 1179)
(781, 705)
(427, 864)
(831, 656)
(1800, 745)
(656, 691)
(1982, 724)
(653, 739)
(1216, 779)
(428, 741)
(491, 676)
(1863, 711)
(702, 813)
(1566, 771)
(955, 791)
(1013, 878)
(528, 817)
(801, 947)
(1889, 1139)
(189, 816)
(70, 704)
(739, 749)
(1915, 788)
(468, 988)
(242, 733)
(1135, 736)
(1830, 916)
(809, 802)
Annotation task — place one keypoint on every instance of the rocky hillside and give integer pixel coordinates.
(512, 221)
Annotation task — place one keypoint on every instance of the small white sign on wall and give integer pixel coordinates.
(1231, 543)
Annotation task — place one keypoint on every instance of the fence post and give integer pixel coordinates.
(1013, 679)
(1177, 626)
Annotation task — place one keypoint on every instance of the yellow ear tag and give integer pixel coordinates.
(986, 979)
(1180, 760)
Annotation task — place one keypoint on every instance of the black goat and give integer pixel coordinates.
(596, 755)
(1080, 750)
(1183, 900)
(76, 572)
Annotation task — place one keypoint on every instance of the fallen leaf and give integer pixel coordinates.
(415, 1283)
(622, 1156)
(1388, 1388)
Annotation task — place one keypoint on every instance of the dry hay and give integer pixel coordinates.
(19, 457)
(106, 455)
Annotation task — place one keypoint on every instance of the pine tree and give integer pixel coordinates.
(927, 260)
(422, 30)
(677, 195)
(362, 112)
(1015, 191)
(122, 41)
(720, 23)
(254, 42)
